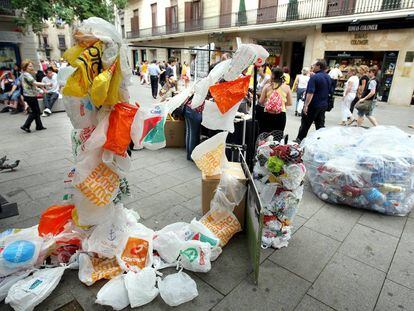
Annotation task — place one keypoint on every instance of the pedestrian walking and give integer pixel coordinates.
(163, 67)
(154, 71)
(51, 93)
(286, 75)
(350, 92)
(185, 74)
(363, 84)
(366, 104)
(144, 73)
(271, 111)
(30, 96)
(300, 85)
(335, 73)
(316, 101)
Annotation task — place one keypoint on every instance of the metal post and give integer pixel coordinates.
(209, 56)
(253, 129)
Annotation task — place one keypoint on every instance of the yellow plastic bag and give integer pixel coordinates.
(89, 65)
(101, 84)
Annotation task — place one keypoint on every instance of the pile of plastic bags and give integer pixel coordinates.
(278, 174)
(371, 169)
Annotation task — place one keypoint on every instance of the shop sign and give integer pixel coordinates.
(11, 36)
(372, 27)
(273, 47)
(360, 39)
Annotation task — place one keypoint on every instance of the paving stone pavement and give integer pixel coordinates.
(339, 258)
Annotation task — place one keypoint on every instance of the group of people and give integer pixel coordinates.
(167, 74)
(22, 86)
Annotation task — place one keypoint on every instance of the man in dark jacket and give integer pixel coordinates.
(316, 102)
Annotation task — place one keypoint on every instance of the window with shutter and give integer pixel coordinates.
(267, 11)
(225, 13)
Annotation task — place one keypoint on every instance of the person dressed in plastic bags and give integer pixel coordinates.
(275, 97)
(193, 118)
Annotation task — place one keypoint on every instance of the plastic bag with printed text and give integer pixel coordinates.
(92, 269)
(26, 294)
(370, 169)
(210, 156)
(81, 112)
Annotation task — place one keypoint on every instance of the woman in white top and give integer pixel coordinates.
(300, 85)
(350, 90)
(262, 78)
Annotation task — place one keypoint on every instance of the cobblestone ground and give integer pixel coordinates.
(338, 258)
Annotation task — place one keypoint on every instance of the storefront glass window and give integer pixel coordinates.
(8, 56)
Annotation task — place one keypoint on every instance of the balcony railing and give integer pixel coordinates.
(295, 10)
(6, 8)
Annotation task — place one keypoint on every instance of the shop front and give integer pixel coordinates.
(383, 43)
(385, 61)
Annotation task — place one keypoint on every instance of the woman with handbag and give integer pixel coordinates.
(271, 109)
(366, 104)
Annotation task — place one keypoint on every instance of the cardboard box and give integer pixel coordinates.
(209, 185)
(174, 133)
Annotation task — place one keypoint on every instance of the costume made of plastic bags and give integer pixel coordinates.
(278, 174)
(370, 169)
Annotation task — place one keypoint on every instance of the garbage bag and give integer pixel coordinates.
(135, 250)
(141, 286)
(114, 294)
(228, 94)
(26, 294)
(213, 119)
(7, 282)
(92, 269)
(210, 156)
(370, 169)
(195, 256)
(118, 136)
(54, 219)
(19, 251)
(177, 288)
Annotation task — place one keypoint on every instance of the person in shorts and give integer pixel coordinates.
(366, 103)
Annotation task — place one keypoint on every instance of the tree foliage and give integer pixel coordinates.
(36, 12)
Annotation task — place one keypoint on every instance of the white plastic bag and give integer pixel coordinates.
(210, 156)
(81, 112)
(300, 106)
(135, 249)
(177, 288)
(90, 214)
(141, 287)
(246, 55)
(195, 256)
(26, 294)
(200, 92)
(213, 119)
(20, 251)
(107, 235)
(114, 294)
(168, 246)
(7, 282)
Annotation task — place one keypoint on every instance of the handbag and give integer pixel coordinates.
(366, 105)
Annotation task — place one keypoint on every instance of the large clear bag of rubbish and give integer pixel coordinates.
(371, 169)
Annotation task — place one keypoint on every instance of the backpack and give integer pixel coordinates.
(274, 104)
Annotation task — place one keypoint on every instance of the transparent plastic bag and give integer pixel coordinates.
(177, 288)
(213, 119)
(370, 169)
(114, 294)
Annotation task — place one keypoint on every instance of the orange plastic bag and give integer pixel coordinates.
(54, 218)
(118, 136)
(227, 94)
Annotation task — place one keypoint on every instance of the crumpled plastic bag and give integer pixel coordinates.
(135, 249)
(141, 286)
(118, 136)
(92, 269)
(195, 256)
(228, 94)
(19, 251)
(26, 294)
(246, 55)
(7, 282)
(177, 288)
(54, 218)
(210, 156)
(105, 85)
(213, 119)
(89, 213)
(114, 294)
(80, 111)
